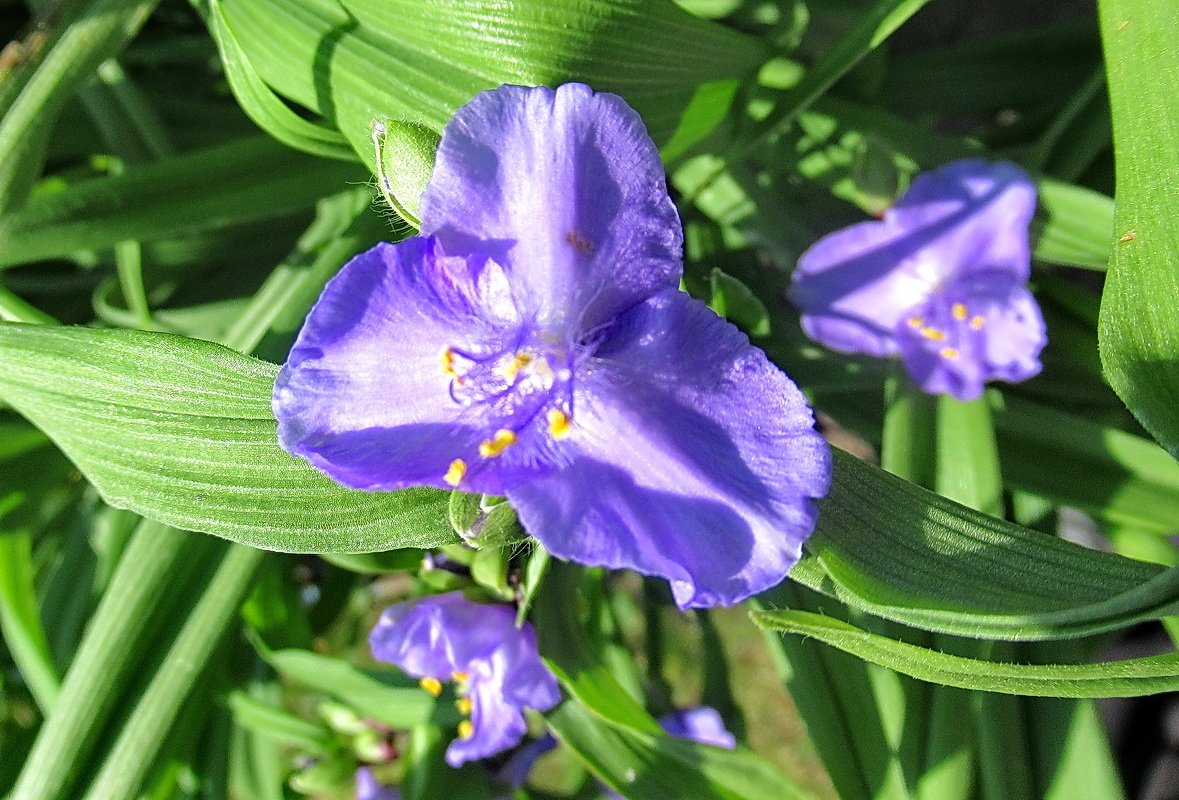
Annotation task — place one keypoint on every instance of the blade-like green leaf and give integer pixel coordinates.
(1139, 326)
(263, 106)
(248, 179)
(1114, 475)
(419, 61)
(386, 695)
(1130, 678)
(655, 766)
(180, 430)
(896, 550)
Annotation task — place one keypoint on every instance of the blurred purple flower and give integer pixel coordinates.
(367, 787)
(495, 665)
(701, 724)
(940, 280)
(533, 343)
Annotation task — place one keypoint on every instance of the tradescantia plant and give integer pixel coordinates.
(458, 399)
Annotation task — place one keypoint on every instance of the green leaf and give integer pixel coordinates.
(278, 724)
(385, 695)
(266, 108)
(418, 62)
(180, 430)
(1139, 325)
(896, 550)
(1129, 678)
(1114, 475)
(247, 179)
(655, 766)
(734, 301)
(1073, 225)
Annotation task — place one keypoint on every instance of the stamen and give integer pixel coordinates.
(916, 322)
(959, 311)
(977, 322)
(456, 472)
(466, 729)
(934, 334)
(559, 427)
(460, 676)
(431, 685)
(448, 365)
(494, 446)
(510, 370)
(949, 353)
(464, 705)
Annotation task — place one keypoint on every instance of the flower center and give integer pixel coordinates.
(956, 331)
(521, 390)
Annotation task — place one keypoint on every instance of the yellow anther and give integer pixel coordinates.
(459, 676)
(916, 322)
(455, 472)
(431, 685)
(977, 322)
(502, 440)
(948, 352)
(510, 370)
(465, 729)
(448, 365)
(959, 311)
(464, 705)
(559, 426)
(934, 334)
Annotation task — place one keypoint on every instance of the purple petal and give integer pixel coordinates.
(856, 285)
(363, 395)
(701, 724)
(565, 188)
(437, 635)
(496, 725)
(692, 458)
(367, 787)
(985, 326)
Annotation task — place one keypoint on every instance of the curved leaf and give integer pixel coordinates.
(1129, 678)
(893, 549)
(180, 430)
(1139, 325)
(420, 60)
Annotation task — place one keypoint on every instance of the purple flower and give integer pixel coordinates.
(367, 787)
(533, 343)
(494, 664)
(701, 724)
(940, 280)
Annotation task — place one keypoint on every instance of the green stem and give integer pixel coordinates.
(14, 309)
(153, 715)
(20, 623)
(100, 666)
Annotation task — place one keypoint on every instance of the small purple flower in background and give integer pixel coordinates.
(495, 665)
(533, 343)
(701, 724)
(941, 280)
(367, 787)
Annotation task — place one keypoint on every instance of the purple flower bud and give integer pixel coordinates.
(533, 343)
(495, 666)
(939, 281)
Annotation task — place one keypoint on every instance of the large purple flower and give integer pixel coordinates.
(941, 281)
(495, 665)
(533, 343)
